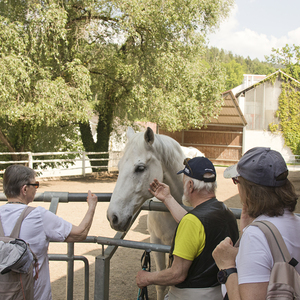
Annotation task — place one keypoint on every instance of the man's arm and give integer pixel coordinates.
(79, 233)
(162, 192)
(172, 276)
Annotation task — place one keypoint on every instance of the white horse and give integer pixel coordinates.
(147, 156)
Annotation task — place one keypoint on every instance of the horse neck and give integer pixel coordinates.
(174, 181)
(172, 162)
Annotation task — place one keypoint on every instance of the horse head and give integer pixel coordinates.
(146, 156)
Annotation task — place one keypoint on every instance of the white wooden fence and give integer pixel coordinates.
(81, 164)
(78, 166)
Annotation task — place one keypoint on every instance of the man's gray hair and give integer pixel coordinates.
(14, 178)
(199, 185)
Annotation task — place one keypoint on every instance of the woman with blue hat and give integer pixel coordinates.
(266, 195)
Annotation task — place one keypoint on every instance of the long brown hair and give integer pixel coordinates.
(270, 201)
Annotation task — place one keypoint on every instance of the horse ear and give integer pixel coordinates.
(149, 136)
(130, 132)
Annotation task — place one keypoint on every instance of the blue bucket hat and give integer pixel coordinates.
(260, 165)
(197, 167)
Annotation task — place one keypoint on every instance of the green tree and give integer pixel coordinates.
(139, 60)
(234, 74)
(288, 59)
(41, 94)
(257, 67)
(239, 64)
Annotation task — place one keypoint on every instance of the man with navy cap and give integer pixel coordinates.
(193, 273)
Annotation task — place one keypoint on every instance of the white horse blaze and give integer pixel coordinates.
(147, 156)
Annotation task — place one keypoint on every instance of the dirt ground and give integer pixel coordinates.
(125, 262)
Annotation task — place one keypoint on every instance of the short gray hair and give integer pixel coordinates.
(14, 178)
(199, 185)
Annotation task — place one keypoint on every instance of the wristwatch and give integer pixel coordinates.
(224, 274)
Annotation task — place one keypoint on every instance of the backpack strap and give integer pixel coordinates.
(16, 231)
(276, 243)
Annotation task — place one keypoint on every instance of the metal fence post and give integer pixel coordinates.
(83, 163)
(102, 266)
(30, 160)
(70, 271)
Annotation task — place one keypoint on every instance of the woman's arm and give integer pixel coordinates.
(79, 233)
(250, 291)
(224, 256)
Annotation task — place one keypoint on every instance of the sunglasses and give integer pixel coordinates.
(235, 180)
(36, 184)
(185, 162)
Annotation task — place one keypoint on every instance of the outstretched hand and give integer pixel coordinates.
(159, 190)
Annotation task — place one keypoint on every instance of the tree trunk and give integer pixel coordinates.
(104, 129)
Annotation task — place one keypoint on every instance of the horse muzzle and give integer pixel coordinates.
(117, 223)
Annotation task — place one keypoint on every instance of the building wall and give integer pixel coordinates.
(260, 105)
(220, 143)
(259, 138)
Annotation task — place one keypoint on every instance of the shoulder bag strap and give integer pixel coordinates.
(275, 241)
(16, 231)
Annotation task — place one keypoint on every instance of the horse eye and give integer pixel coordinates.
(140, 169)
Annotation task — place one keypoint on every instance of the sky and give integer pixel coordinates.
(254, 27)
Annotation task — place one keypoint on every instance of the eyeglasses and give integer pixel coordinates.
(36, 184)
(185, 162)
(235, 180)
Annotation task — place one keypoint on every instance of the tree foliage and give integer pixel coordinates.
(42, 94)
(235, 66)
(234, 74)
(289, 114)
(132, 60)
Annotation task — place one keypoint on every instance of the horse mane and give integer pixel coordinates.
(165, 148)
(169, 150)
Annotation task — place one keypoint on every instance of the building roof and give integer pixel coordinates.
(264, 80)
(231, 113)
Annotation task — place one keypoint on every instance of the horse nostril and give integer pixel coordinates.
(115, 219)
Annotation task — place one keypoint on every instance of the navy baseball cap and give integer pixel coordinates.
(260, 165)
(197, 167)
